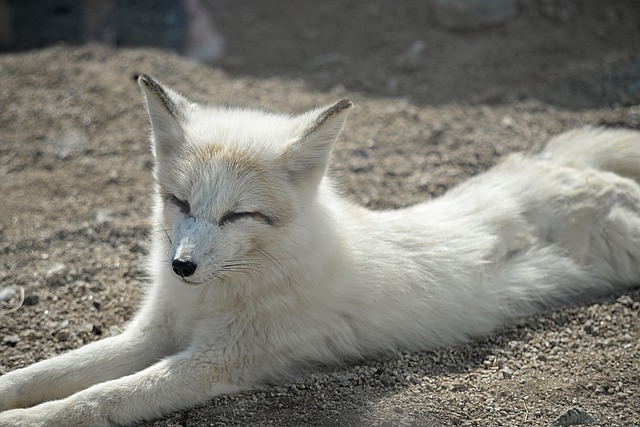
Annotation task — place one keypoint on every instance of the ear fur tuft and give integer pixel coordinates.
(166, 97)
(307, 157)
(167, 110)
(330, 112)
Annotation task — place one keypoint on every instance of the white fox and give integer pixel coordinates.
(266, 269)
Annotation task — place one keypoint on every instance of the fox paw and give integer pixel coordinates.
(49, 414)
(18, 418)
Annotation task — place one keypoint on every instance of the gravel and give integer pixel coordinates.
(75, 165)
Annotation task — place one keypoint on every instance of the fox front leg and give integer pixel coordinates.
(104, 360)
(178, 382)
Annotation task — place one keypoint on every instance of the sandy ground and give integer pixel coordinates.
(433, 108)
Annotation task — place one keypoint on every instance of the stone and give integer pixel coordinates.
(11, 340)
(574, 416)
(55, 275)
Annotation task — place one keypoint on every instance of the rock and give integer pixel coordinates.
(63, 335)
(413, 380)
(626, 300)
(386, 380)
(31, 300)
(55, 275)
(471, 15)
(11, 340)
(7, 293)
(574, 416)
(70, 144)
(459, 386)
(102, 216)
(506, 373)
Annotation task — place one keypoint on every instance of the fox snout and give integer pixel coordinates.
(183, 268)
(187, 238)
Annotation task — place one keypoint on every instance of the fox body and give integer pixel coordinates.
(260, 268)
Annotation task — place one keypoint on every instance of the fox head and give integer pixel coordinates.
(230, 181)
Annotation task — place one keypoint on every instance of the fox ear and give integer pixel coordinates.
(167, 110)
(307, 157)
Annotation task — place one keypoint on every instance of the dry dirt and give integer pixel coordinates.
(433, 108)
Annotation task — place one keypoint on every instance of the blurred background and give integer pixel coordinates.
(572, 53)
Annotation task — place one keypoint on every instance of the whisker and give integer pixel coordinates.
(165, 263)
(276, 262)
(232, 268)
(242, 262)
(165, 230)
(243, 265)
(221, 278)
(238, 269)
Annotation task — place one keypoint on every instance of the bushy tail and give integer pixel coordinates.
(613, 150)
(609, 230)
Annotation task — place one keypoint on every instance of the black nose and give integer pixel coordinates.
(183, 268)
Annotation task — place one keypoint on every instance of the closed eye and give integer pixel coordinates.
(183, 205)
(231, 217)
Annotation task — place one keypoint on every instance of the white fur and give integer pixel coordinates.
(309, 277)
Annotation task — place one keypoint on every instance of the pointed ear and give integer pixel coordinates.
(307, 157)
(167, 110)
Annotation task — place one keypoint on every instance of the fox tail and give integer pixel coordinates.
(607, 149)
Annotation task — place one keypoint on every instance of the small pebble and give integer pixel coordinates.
(7, 293)
(507, 373)
(11, 340)
(55, 275)
(63, 335)
(31, 300)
